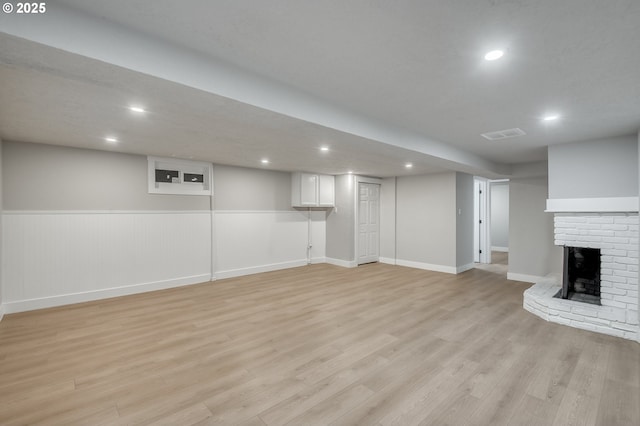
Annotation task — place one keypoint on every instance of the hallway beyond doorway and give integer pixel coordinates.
(499, 263)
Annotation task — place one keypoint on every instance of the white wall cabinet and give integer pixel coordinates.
(312, 190)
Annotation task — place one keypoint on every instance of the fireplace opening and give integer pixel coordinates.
(581, 275)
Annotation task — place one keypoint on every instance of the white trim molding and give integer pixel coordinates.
(500, 249)
(99, 212)
(387, 260)
(1, 311)
(427, 266)
(232, 273)
(88, 296)
(464, 268)
(587, 205)
(343, 263)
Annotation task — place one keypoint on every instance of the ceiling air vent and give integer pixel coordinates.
(503, 134)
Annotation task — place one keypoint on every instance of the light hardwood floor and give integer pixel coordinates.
(499, 263)
(318, 345)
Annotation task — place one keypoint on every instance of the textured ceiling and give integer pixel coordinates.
(412, 65)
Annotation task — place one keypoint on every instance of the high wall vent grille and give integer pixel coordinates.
(503, 134)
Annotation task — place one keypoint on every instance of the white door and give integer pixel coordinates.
(368, 222)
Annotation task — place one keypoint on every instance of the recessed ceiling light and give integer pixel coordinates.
(551, 117)
(324, 148)
(111, 139)
(408, 165)
(264, 161)
(350, 172)
(136, 108)
(493, 55)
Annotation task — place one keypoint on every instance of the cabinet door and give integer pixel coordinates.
(326, 191)
(308, 189)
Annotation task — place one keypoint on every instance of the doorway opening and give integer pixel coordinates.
(491, 225)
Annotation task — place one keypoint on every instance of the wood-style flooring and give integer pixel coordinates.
(317, 345)
(499, 263)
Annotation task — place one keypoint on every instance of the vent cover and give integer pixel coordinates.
(503, 134)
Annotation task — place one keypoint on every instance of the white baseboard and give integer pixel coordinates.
(68, 299)
(501, 249)
(427, 266)
(317, 260)
(464, 268)
(343, 263)
(1, 311)
(387, 260)
(523, 277)
(258, 269)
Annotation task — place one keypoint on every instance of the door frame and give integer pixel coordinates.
(357, 180)
(481, 230)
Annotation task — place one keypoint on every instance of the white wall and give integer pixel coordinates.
(388, 220)
(56, 258)
(464, 222)
(79, 225)
(499, 216)
(426, 221)
(248, 242)
(255, 227)
(532, 253)
(50, 178)
(341, 223)
(1, 235)
(240, 188)
(594, 169)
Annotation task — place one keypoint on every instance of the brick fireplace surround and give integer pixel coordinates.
(616, 235)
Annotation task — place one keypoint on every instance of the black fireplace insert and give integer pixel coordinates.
(581, 275)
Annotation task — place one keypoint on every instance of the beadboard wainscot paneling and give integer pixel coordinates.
(54, 258)
(248, 242)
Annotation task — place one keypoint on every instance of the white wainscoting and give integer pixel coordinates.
(57, 258)
(248, 242)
